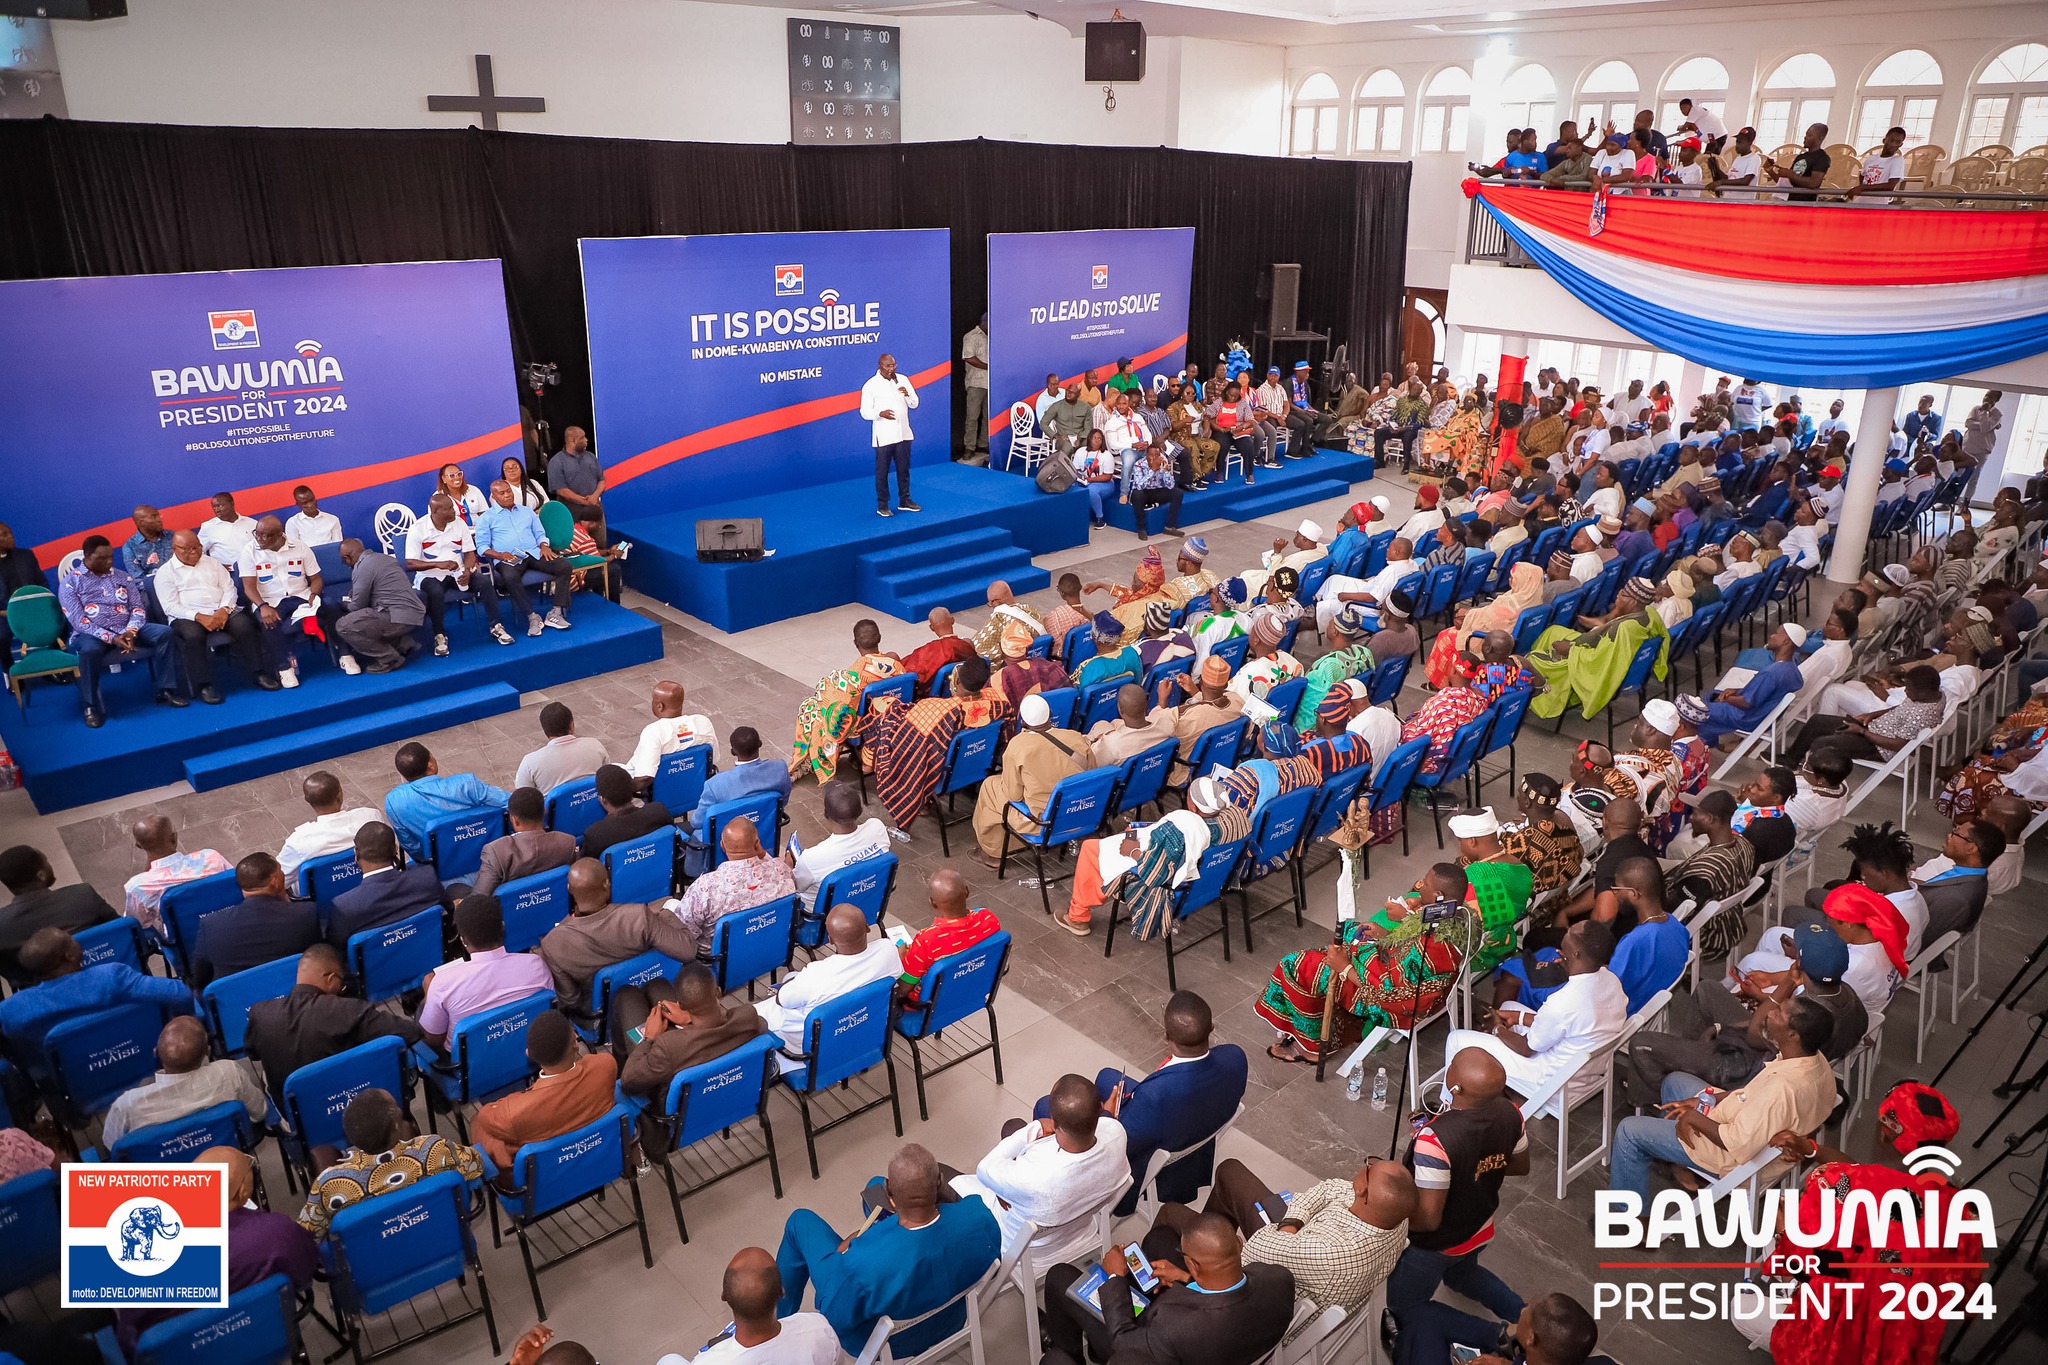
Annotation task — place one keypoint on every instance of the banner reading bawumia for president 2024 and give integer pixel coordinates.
(1066, 302)
(731, 366)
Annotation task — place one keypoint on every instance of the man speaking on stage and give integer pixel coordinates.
(885, 401)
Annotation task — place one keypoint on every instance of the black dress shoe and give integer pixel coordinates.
(208, 694)
(94, 717)
(268, 682)
(384, 667)
(170, 698)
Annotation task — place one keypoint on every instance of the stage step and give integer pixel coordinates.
(262, 757)
(948, 571)
(1255, 502)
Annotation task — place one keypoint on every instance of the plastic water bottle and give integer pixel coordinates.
(1354, 1088)
(1379, 1089)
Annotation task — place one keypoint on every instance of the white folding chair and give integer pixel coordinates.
(1765, 734)
(1902, 764)
(1857, 1068)
(1927, 986)
(1024, 1269)
(1711, 911)
(975, 1297)
(1026, 445)
(68, 563)
(394, 519)
(1800, 859)
(1148, 1189)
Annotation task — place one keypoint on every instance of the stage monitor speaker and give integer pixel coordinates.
(1115, 52)
(721, 542)
(64, 9)
(1281, 289)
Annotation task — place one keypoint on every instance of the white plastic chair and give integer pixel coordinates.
(1026, 446)
(1024, 1269)
(68, 565)
(1860, 1064)
(1322, 1342)
(1148, 1189)
(976, 1297)
(1765, 733)
(1711, 911)
(1159, 383)
(1902, 764)
(394, 519)
(1927, 986)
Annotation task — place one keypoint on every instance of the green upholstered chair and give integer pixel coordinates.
(38, 623)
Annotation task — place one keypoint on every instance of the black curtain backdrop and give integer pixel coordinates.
(120, 199)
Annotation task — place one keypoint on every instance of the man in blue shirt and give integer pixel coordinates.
(1922, 425)
(67, 989)
(749, 774)
(105, 609)
(510, 539)
(1742, 709)
(143, 553)
(425, 796)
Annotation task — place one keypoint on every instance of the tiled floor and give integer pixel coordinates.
(1064, 1007)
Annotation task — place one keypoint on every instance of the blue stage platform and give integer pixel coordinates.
(252, 733)
(1322, 475)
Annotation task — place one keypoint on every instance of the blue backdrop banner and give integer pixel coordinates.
(727, 366)
(1064, 302)
(358, 380)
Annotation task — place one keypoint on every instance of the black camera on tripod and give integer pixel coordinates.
(541, 373)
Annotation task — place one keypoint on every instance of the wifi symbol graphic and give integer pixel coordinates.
(1921, 1160)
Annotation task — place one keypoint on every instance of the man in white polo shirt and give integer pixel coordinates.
(885, 404)
(440, 550)
(282, 578)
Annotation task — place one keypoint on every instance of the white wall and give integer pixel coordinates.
(666, 69)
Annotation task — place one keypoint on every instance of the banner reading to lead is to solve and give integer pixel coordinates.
(728, 366)
(1064, 302)
(358, 380)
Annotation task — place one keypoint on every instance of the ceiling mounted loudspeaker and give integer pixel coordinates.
(64, 9)
(1115, 52)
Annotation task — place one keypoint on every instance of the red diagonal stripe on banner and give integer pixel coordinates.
(746, 428)
(996, 424)
(265, 497)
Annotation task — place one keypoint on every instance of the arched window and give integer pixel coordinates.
(1798, 93)
(1528, 99)
(1702, 80)
(2009, 102)
(1609, 95)
(1900, 93)
(1315, 117)
(1446, 105)
(1381, 108)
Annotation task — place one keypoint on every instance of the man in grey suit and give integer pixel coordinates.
(383, 611)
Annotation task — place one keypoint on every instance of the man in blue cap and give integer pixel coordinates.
(1193, 580)
(1275, 410)
(1305, 426)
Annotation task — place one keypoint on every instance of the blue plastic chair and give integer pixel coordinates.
(679, 777)
(1439, 592)
(1547, 543)
(573, 807)
(942, 681)
(93, 1057)
(388, 1250)
(1233, 650)
(1504, 565)
(118, 940)
(486, 1058)
(185, 904)
(1141, 778)
(1376, 553)
(455, 843)
(1333, 801)
(561, 1172)
(1390, 784)
(1458, 760)
(226, 1000)
(1529, 624)
(1075, 809)
(259, 1326)
(29, 1222)
(971, 757)
(903, 688)
(1078, 645)
(749, 944)
(1564, 611)
(1633, 682)
(1703, 625)
(710, 1100)
(1472, 579)
(323, 878)
(609, 981)
(845, 1036)
(1312, 579)
(1276, 832)
(1388, 677)
(1041, 647)
(317, 1093)
(1064, 703)
(1423, 545)
(1158, 675)
(1508, 714)
(1285, 697)
(867, 884)
(532, 906)
(1201, 891)
(955, 987)
(1216, 745)
(1098, 703)
(644, 869)
(763, 808)
(391, 959)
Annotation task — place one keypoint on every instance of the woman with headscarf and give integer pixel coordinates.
(1876, 934)
(1450, 658)
(1855, 1328)
(1674, 598)
(826, 718)
(1148, 583)
(1114, 661)
(907, 744)
(1023, 673)
(1588, 665)
(1440, 718)
(1349, 657)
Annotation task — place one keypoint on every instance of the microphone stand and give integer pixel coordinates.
(1429, 929)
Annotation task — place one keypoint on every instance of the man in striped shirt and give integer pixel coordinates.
(954, 929)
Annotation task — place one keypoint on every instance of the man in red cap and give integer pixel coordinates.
(1826, 496)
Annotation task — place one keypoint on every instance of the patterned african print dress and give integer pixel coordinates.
(1390, 982)
(825, 720)
(907, 745)
(1977, 783)
(1148, 896)
(1440, 718)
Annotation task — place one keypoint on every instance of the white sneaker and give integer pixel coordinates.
(498, 633)
(441, 646)
(289, 677)
(533, 625)
(348, 666)
(556, 621)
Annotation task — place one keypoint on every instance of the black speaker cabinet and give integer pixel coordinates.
(1116, 52)
(1283, 295)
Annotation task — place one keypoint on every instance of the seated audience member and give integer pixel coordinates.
(599, 933)
(946, 647)
(185, 1083)
(1460, 1158)
(1033, 763)
(197, 593)
(1224, 1312)
(1005, 612)
(666, 1027)
(1583, 1016)
(65, 988)
(384, 611)
(857, 959)
(1650, 954)
(331, 829)
(1147, 585)
(1876, 735)
(315, 1021)
(751, 1289)
(1226, 618)
(511, 543)
(440, 553)
(39, 903)
(109, 623)
(1129, 734)
(1339, 1239)
(384, 1156)
(142, 554)
(1738, 710)
(954, 929)
(565, 757)
(310, 526)
(1760, 814)
(281, 580)
(626, 817)
(260, 1244)
(1114, 660)
(670, 730)
(749, 775)
(1876, 934)
(143, 894)
(1053, 1172)
(1023, 673)
(1145, 864)
(852, 840)
(1881, 858)
(1955, 885)
(831, 714)
(424, 796)
(885, 1268)
(907, 745)
(572, 1087)
(1397, 636)
(1212, 704)
(1793, 1093)
(226, 533)
(263, 926)
(748, 877)
(1822, 793)
(1266, 664)
(387, 893)
(530, 849)
(485, 979)
(1721, 867)
(1554, 1330)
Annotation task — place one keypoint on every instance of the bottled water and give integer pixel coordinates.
(1379, 1089)
(1354, 1088)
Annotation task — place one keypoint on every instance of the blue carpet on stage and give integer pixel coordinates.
(1317, 477)
(251, 733)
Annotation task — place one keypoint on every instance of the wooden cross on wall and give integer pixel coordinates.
(487, 103)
